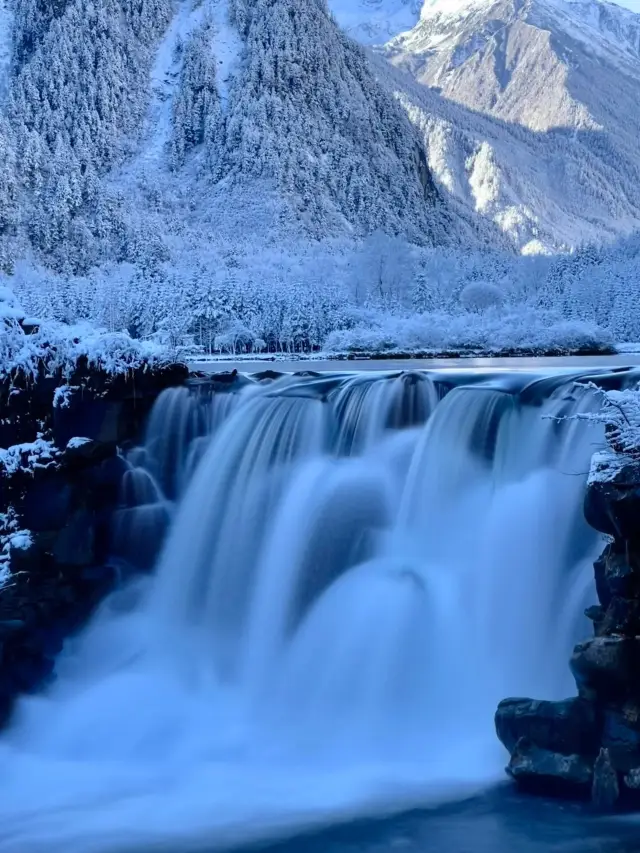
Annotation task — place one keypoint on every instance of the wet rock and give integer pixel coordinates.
(600, 576)
(99, 420)
(83, 452)
(24, 557)
(74, 545)
(61, 571)
(612, 501)
(622, 581)
(632, 779)
(615, 575)
(596, 614)
(545, 772)
(9, 627)
(605, 790)
(101, 483)
(568, 727)
(267, 375)
(621, 617)
(46, 502)
(606, 668)
(621, 735)
(225, 377)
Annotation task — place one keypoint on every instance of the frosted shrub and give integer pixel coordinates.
(494, 330)
(479, 296)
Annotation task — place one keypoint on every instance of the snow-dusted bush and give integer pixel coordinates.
(479, 296)
(55, 346)
(620, 413)
(515, 330)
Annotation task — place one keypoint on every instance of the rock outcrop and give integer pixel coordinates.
(60, 485)
(589, 746)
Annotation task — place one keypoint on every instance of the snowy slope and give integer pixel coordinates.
(545, 144)
(226, 46)
(6, 20)
(375, 21)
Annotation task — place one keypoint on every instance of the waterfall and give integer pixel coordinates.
(357, 569)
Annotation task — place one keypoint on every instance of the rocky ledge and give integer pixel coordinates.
(60, 472)
(588, 747)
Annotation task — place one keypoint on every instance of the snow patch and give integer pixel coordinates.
(21, 541)
(34, 454)
(62, 396)
(605, 466)
(227, 48)
(76, 442)
(375, 21)
(165, 73)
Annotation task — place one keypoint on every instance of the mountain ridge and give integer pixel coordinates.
(530, 65)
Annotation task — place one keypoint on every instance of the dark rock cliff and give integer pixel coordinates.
(60, 478)
(589, 746)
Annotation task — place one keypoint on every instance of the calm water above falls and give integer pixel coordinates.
(358, 567)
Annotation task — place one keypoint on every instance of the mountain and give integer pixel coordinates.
(244, 171)
(137, 127)
(544, 143)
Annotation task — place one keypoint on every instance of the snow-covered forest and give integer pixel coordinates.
(244, 178)
(383, 294)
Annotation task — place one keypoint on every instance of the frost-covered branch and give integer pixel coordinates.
(620, 413)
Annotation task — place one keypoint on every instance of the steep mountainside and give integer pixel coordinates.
(139, 127)
(559, 165)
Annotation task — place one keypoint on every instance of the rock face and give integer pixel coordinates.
(568, 728)
(605, 789)
(541, 771)
(589, 746)
(60, 486)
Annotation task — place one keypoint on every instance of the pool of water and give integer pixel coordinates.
(324, 365)
(500, 821)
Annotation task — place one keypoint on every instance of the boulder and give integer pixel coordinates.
(81, 453)
(569, 727)
(605, 790)
(605, 668)
(545, 772)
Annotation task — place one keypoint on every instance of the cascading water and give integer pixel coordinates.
(357, 569)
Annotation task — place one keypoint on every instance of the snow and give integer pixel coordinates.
(8, 529)
(76, 442)
(620, 412)
(35, 454)
(21, 541)
(165, 77)
(6, 22)
(62, 396)
(226, 46)
(493, 331)
(58, 346)
(605, 466)
(375, 21)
